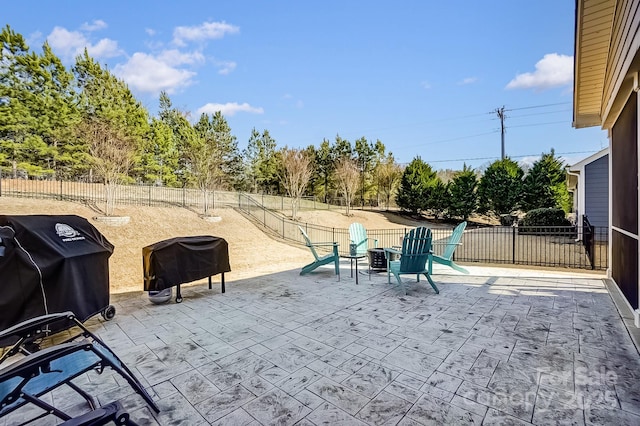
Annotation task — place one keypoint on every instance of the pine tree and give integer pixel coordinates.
(439, 199)
(545, 184)
(261, 161)
(364, 158)
(325, 166)
(38, 110)
(183, 137)
(416, 184)
(216, 131)
(159, 159)
(500, 188)
(463, 190)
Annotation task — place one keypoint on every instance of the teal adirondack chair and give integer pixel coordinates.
(320, 260)
(358, 236)
(415, 257)
(446, 258)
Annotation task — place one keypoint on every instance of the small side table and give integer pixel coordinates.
(355, 257)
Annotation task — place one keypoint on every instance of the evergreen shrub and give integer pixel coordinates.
(548, 220)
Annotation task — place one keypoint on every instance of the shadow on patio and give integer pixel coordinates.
(506, 346)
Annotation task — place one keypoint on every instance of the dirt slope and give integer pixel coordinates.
(251, 252)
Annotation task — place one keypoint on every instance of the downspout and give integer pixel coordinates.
(579, 223)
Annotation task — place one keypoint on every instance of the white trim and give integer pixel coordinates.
(579, 166)
(610, 231)
(627, 233)
(636, 318)
(578, 171)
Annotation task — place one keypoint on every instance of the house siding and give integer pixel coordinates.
(625, 40)
(596, 194)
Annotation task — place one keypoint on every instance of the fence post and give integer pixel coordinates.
(593, 248)
(149, 195)
(60, 189)
(183, 196)
(513, 245)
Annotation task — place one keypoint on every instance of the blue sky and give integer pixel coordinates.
(423, 77)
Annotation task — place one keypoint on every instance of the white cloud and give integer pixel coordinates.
(97, 24)
(225, 67)
(205, 31)
(70, 44)
(150, 31)
(468, 80)
(552, 70)
(425, 85)
(147, 73)
(105, 48)
(229, 109)
(175, 57)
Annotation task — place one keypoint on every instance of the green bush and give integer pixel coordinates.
(549, 216)
(549, 220)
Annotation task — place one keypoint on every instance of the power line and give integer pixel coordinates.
(539, 106)
(541, 124)
(501, 116)
(516, 156)
(459, 138)
(539, 113)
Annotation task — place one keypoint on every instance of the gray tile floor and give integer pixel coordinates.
(498, 346)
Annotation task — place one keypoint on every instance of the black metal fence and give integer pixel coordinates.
(561, 246)
(584, 247)
(152, 195)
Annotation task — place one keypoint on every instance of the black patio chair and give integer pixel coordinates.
(40, 371)
(106, 414)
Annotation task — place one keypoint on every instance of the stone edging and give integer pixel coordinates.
(211, 218)
(112, 220)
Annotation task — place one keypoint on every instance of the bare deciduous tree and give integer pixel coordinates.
(388, 175)
(296, 174)
(347, 174)
(205, 162)
(112, 154)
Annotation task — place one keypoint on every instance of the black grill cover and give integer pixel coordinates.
(184, 259)
(70, 253)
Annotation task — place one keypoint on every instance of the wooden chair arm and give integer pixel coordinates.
(328, 243)
(442, 243)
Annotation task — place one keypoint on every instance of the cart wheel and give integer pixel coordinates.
(178, 299)
(109, 312)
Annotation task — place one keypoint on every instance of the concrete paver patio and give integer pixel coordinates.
(498, 346)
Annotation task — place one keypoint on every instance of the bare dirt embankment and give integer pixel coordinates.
(251, 252)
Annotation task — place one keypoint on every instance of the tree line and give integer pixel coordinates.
(84, 123)
(504, 189)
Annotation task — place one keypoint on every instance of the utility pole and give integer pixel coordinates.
(500, 112)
